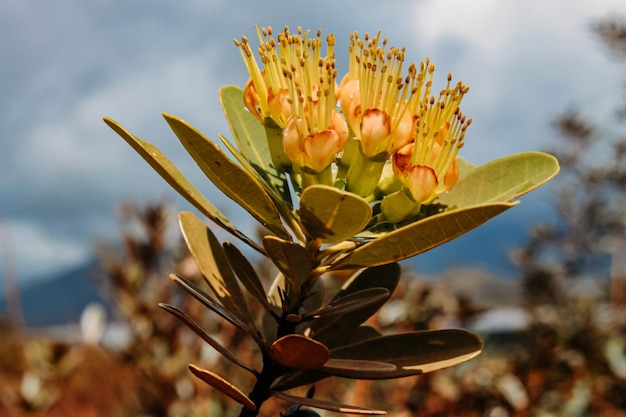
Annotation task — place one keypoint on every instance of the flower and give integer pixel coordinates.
(427, 166)
(374, 97)
(297, 89)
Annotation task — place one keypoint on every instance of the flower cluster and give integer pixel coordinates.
(377, 121)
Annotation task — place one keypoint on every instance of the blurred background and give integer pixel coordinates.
(88, 233)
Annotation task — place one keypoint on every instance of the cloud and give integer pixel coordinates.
(62, 171)
(525, 61)
(39, 253)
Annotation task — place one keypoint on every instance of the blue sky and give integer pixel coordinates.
(66, 64)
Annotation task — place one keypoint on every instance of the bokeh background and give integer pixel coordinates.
(84, 219)
(67, 64)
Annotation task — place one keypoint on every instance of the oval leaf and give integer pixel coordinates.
(168, 171)
(416, 352)
(291, 259)
(419, 237)
(328, 405)
(246, 274)
(346, 312)
(385, 276)
(214, 266)
(332, 215)
(222, 385)
(356, 369)
(251, 140)
(228, 177)
(296, 351)
(179, 314)
(217, 308)
(502, 180)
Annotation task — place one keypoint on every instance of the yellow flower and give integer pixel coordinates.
(374, 97)
(265, 92)
(297, 89)
(427, 167)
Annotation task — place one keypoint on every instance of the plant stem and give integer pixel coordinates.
(271, 370)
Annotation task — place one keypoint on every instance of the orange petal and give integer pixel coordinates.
(403, 133)
(350, 101)
(291, 142)
(401, 162)
(251, 99)
(375, 129)
(422, 183)
(320, 149)
(452, 176)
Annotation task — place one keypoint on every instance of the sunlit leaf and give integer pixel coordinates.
(357, 369)
(296, 351)
(228, 177)
(189, 322)
(464, 167)
(328, 405)
(291, 259)
(352, 301)
(412, 353)
(251, 139)
(223, 386)
(215, 306)
(333, 215)
(385, 276)
(502, 180)
(213, 265)
(346, 312)
(246, 274)
(415, 352)
(168, 171)
(419, 237)
(283, 203)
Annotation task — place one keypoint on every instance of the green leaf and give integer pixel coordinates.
(412, 353)
(345, 313)
(332, 215)
(385, 276)
(228, 177)
(419, 237)
(214, 266)
(291, 259)
(416, 352)
(351, 368)
(215, 306)
(347, 304)
(464, 166)
(281, 199)
(246, 274)
(328, 405)
(251, 140)
(168, 171)
(502, 180)
(188, 321)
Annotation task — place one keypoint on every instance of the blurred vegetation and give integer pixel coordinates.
(570, 360)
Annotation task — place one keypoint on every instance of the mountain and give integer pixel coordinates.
(60, 299)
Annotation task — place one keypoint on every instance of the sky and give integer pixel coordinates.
(66, 64)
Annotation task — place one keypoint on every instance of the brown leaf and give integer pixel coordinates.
(328, 405)
(299, 352)
(223, 385)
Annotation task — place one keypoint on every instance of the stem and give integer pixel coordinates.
(271, 370)
(363, 174)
